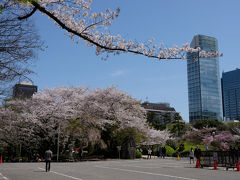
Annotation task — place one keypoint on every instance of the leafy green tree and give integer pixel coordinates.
(210, 123)
(154, 121)
(114, 137)
(177, 119)
(158, 123)
(178, 129)
(132, 132)
(166, 119)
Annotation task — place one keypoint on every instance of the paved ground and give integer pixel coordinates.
(154, 169)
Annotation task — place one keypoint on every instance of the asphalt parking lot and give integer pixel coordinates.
(142, 169)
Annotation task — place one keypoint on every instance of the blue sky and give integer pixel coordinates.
(173, 22)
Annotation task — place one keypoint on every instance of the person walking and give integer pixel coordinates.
(191, 155)
(81, 152)
(158, 151)
(163, 151)
(48, 158)
(149, 153)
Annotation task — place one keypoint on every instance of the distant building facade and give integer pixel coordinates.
(231, 95)
(204, 86)
(24, 90)
(161, 110)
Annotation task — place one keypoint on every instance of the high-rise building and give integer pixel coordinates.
(24, 90)
(204, 92)
(231, 95)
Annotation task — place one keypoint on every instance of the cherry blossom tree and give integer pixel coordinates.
(66, 115)
(196, 136)
(223, 139)
(156, 137)
(16, 133)
(46, 116)
(81, 23)
(115, 107)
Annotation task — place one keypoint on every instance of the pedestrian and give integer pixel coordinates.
(158, 151)
(38, 158)
(198, 154)
(232, 154)
(48, 158)
(191, 155)
(163, 151)
(81, 152)
(149, 153)
(161, 155)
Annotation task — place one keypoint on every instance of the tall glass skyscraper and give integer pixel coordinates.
(231, 94)
(204, 92)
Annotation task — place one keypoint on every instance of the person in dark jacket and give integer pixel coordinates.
(48, 158)
(163, 151)
(158, 151)
(198, 154)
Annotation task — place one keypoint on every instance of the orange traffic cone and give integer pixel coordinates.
(215, 165)
(238, 168)
(197, 164)
(1, 159)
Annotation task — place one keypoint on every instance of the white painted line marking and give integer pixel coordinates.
(142, 172)
(173, 163)
(60, 174)
(2, 176)
(154, 167)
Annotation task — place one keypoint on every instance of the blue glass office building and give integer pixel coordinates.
(204, 87)
(231, 94)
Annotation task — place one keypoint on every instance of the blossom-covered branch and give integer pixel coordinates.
(76, 17)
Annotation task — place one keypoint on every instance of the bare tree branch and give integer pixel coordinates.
(18, 44)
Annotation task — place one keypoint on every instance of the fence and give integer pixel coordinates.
(226, 159)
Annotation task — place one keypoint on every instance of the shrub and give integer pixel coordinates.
(171, 143)
(138, 154)
(169, 150)
(181, 148)
(144, 149)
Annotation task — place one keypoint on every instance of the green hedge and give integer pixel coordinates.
(187, 147)
(169, 150)
(138, 154)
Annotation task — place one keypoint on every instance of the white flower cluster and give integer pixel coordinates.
(76, 17)
(156, 137)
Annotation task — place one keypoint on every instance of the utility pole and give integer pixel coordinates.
(58, 139)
